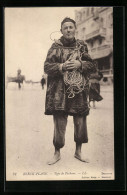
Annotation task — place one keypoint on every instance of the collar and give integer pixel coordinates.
(66, 43)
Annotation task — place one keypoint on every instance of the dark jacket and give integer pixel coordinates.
(57, 100)
(94, 92)
(96, 77)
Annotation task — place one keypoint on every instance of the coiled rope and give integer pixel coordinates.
(52, 34)
(73, 79)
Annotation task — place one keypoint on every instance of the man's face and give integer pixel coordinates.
(68, 30)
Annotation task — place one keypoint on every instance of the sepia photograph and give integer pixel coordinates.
(59, 93)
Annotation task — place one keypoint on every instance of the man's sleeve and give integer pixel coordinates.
(52, 67)
(88, 66)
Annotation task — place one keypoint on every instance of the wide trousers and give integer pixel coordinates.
(60, 123)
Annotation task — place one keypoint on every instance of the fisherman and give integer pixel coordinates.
(68, 66)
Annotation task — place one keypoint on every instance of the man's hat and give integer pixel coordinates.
(67, 19)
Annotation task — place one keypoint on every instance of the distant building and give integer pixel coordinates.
(95, 27)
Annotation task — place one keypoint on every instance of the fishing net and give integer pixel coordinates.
(74, 80)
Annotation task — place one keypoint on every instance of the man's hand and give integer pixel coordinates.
(71, 65)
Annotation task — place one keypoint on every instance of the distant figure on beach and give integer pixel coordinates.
(18, 79)
(94, 90)
(43, 81)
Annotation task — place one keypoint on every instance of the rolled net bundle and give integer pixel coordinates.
(75, 82)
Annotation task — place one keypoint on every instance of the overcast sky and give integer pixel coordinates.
(27, 37)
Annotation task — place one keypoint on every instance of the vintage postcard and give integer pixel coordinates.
(33, 73)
